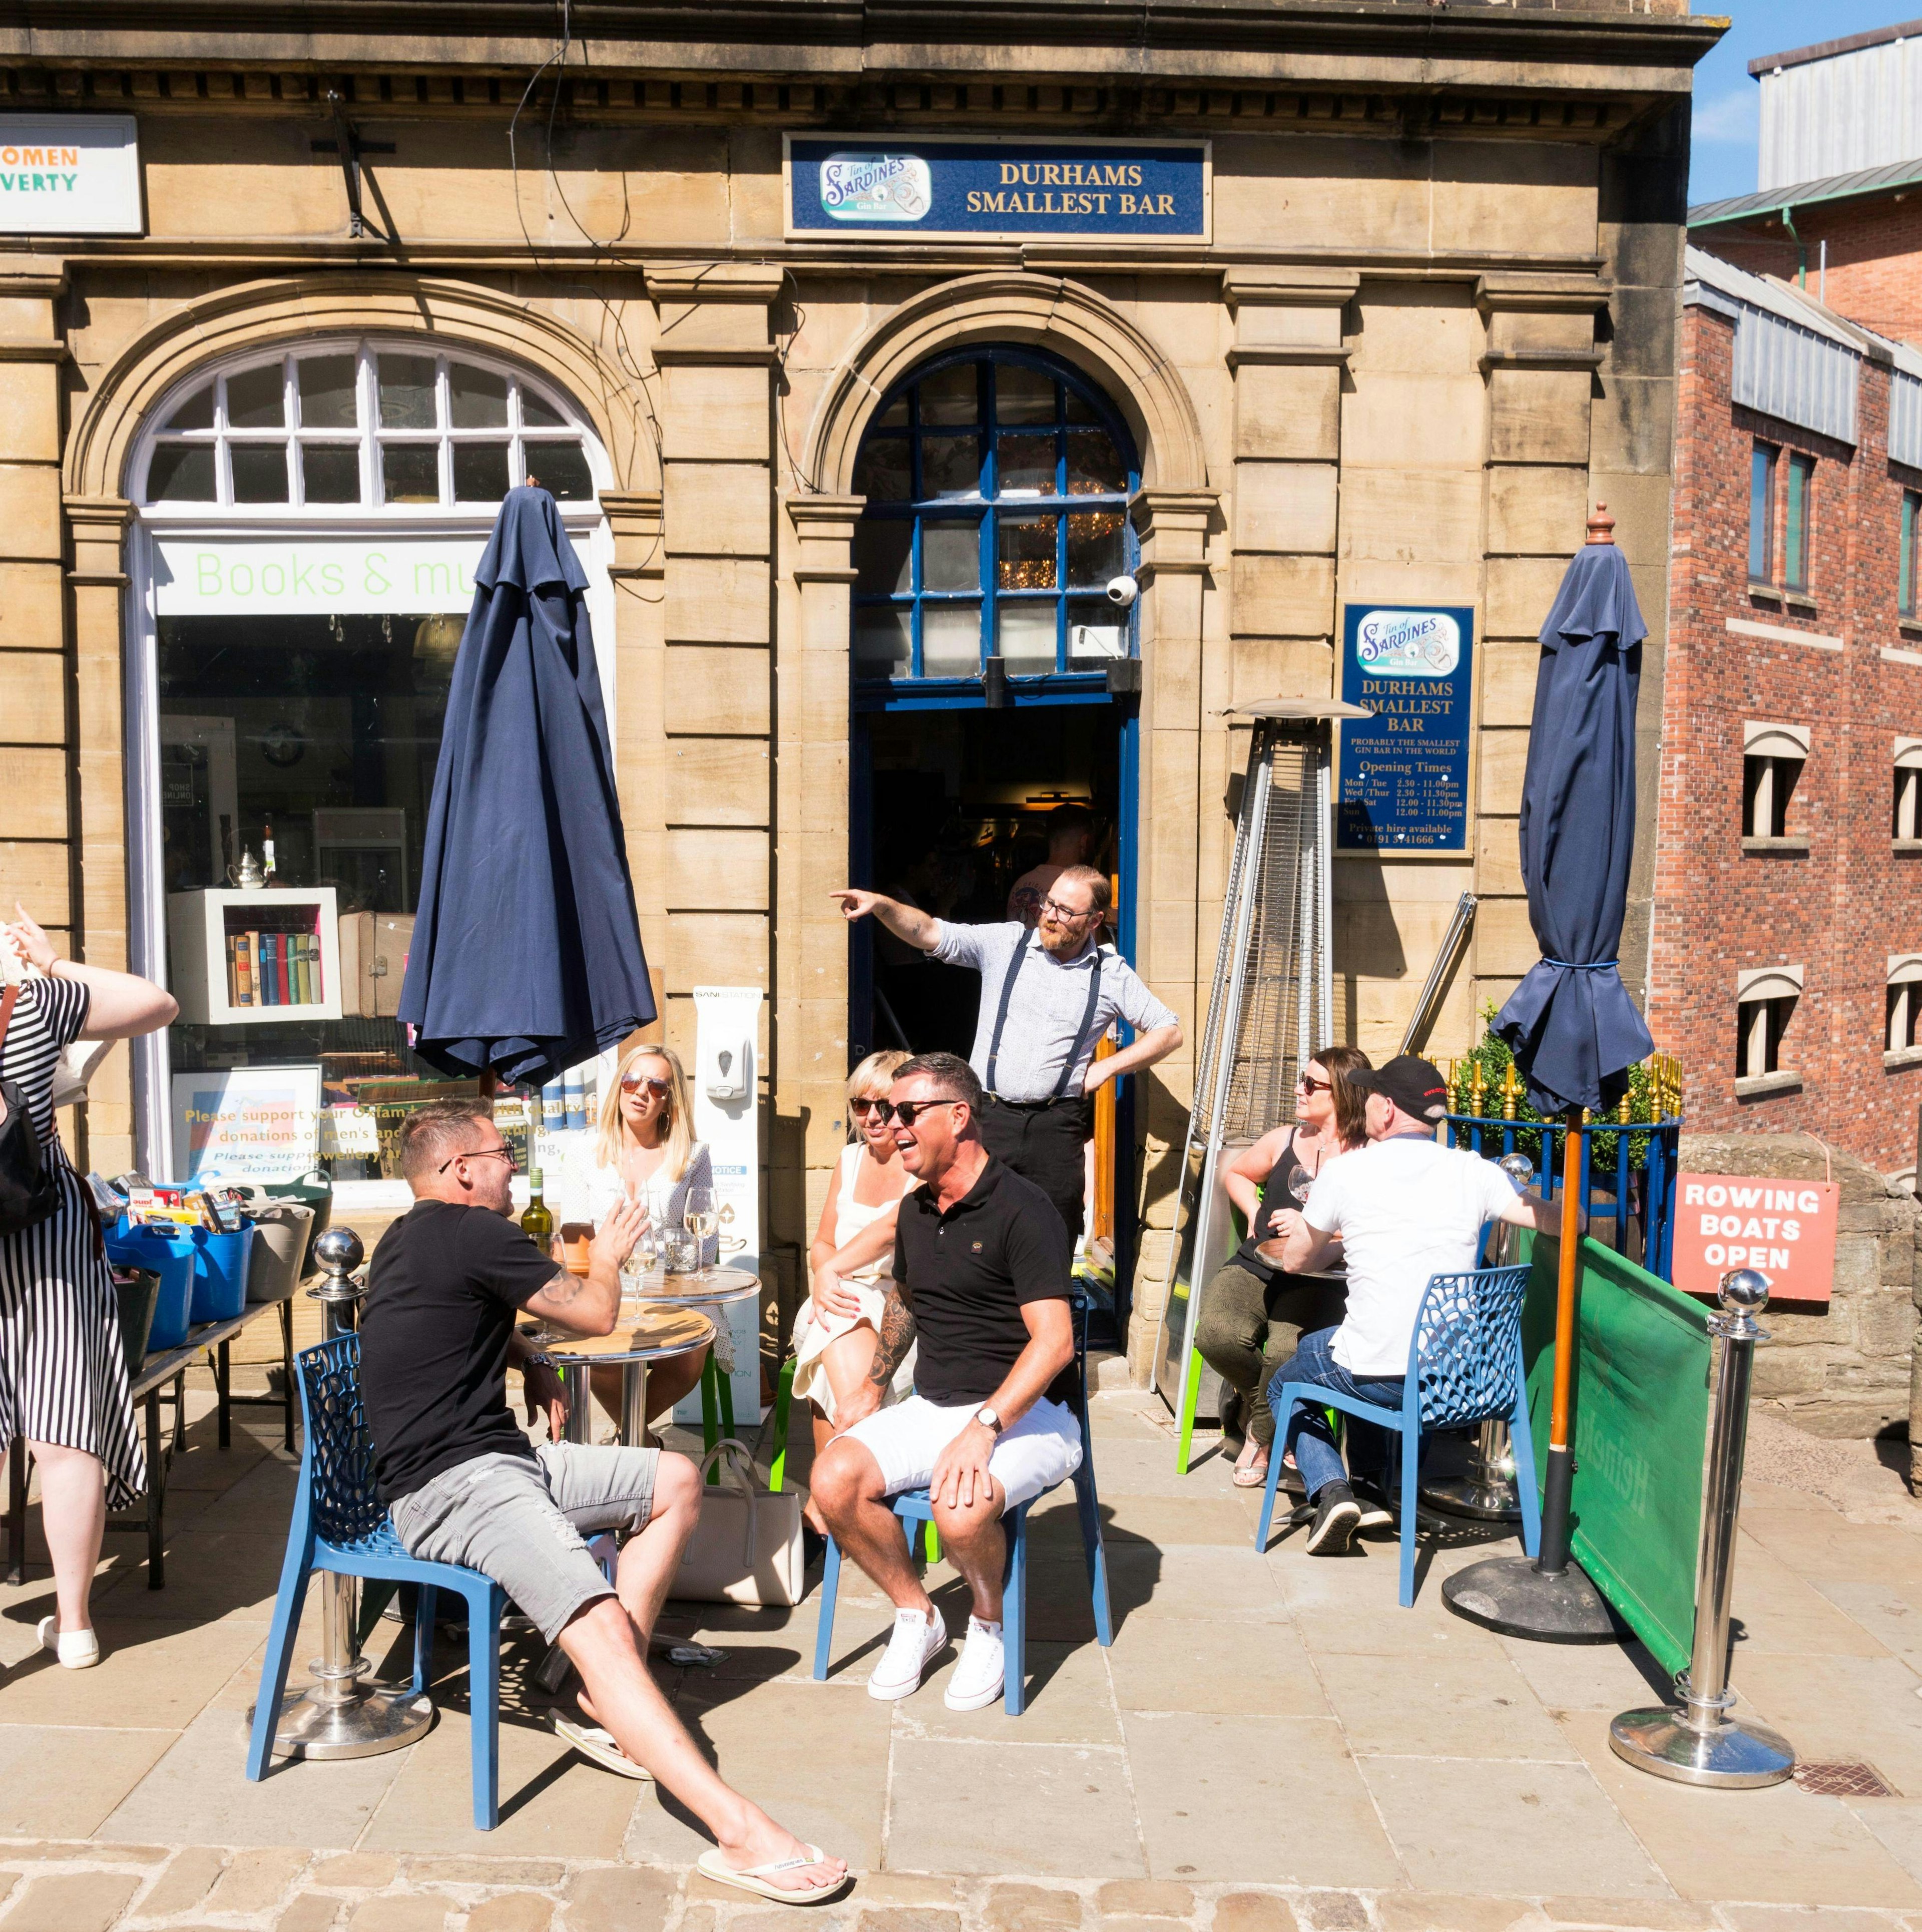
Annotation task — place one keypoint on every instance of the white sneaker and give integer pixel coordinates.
(981, 1676)
(917, 1641)
(78, 1650)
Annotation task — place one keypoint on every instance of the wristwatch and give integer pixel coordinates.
(989, 1420)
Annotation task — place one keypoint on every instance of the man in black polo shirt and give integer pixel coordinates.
(981, 1272)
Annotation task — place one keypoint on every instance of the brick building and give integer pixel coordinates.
(1786, 966)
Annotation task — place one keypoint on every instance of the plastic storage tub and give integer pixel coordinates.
(280, 1234)
(173, 1260)
(220, 1274)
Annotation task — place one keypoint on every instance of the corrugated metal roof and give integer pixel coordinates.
(1849, 43)
(1793, 359)
(1905, 418)
(1830, 188)
(1851, 108)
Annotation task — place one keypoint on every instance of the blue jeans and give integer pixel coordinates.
(1309, 1435)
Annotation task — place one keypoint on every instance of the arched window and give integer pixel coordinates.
(362, 425)
(997, 483)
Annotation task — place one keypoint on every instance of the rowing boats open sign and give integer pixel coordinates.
(981, 189)
(1786, 1228)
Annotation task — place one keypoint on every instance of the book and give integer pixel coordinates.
(233, 970)
(243, 952)
(304, 952)
(284, 968)
(296, 969)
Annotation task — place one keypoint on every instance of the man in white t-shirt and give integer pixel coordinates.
(1401, 1210)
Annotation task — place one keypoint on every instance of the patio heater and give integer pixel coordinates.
(341, 1714)
(1271, 1005)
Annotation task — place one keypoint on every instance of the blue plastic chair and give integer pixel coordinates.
(341, 1524)
(914, 1506)
(1464, 1366)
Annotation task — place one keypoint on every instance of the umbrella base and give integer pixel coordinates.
(1735, 1754)
(1508, 1595)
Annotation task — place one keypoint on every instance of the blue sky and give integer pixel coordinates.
(1726, 99)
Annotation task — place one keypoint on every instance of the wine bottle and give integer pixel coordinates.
(538, 1223)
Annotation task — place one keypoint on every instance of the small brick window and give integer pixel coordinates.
(1800, 514)
(1761, 513)
(1904, 595)
(1765, 1002)
(1902, 1005)
(1773, 756)
(1906, 803)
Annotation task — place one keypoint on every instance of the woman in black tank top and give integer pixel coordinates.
(1253, 1316)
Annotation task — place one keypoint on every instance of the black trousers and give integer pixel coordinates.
(1043, 1144)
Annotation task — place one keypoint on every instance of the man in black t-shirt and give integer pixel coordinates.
(981, 1270)
(466, 1486)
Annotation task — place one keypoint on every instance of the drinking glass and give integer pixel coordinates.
(701, 1218)
(1301, 1187)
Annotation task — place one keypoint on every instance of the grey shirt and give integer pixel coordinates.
(1051, 997)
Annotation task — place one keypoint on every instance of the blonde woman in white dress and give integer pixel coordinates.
(833, 1353)
(646, 1151)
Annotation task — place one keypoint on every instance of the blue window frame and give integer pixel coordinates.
(997, 483)
(1761, 513)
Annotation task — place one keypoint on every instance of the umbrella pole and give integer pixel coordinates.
(1558, 1470)
(1550, 1600)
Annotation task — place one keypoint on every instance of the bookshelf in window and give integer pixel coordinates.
(255, 958)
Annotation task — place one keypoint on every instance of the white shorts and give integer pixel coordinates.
(1032, 1455)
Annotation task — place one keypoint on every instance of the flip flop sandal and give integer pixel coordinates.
(1251, 1477)
(755, 1878)
(598, 1745)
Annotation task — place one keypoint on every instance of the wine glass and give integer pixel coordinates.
(702, 1219)
(1301, 1187)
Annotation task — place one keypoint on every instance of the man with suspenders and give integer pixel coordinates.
(1047, 996)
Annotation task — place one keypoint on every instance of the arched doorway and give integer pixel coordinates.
(309, 518)
(995, 660)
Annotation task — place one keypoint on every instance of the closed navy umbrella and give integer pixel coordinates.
(526, 956)
(1573, 1030)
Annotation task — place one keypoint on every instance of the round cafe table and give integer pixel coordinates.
(1269, 1253)
(653, 1335)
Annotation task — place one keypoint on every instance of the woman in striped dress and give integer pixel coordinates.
(63, 1372)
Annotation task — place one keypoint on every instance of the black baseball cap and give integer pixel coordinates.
(1414, 1084)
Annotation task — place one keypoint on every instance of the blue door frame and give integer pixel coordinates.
(967, 697)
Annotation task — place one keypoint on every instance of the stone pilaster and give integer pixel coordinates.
(715, 352)
(1539, 364)
(643, 760)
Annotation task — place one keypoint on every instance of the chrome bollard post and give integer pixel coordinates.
(1487, 1492)
(341, 1714)
(1699, 1741)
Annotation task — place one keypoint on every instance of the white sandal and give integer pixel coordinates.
(77, 1650)
(592, 1742)
(755, 1879)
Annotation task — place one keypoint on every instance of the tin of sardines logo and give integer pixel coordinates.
(69, 174)
(1408, 643)
(875, 187)
(988, 187)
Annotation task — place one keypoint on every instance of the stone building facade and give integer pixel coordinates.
(1788, 910)
(1428, 322)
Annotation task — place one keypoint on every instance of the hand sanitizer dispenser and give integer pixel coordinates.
(727, 1064)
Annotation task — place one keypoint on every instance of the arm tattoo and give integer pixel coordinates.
(563, 1288)
(896, 1338)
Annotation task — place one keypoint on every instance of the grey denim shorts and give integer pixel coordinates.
(521, 1522)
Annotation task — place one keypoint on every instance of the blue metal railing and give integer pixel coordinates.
(1631, 1202)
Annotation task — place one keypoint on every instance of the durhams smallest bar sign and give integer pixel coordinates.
(1786, 1228)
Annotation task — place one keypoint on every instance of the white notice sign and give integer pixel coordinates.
(69, 174)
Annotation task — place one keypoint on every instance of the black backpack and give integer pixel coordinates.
(29, 1191)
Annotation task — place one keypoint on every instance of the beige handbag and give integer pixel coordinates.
(747, 1547)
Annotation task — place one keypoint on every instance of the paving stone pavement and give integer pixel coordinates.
(1271, 1745)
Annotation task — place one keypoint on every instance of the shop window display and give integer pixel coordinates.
(296, 736)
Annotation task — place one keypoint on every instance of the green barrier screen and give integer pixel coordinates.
(1641, 1429)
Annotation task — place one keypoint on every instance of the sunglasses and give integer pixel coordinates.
(1067, 913)
(905, 1113)
(862, 1108)
(1307, 1084)
(632, 1083)
(503, 1152)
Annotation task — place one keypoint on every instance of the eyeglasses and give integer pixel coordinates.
(1307, 1084)
(1068, 912)
(632, 1083)
(862, 1108)
(503, 1152)
(905, 1113)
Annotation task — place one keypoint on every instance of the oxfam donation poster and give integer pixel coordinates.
(1404, 773)
(247, 1123)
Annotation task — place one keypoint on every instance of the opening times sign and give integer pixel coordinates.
(993, 189)
(1403, 784)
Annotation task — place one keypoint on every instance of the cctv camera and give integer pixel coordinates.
(1123, 590)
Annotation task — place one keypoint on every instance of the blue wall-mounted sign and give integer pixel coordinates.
(1403, 784)
(996, 188)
